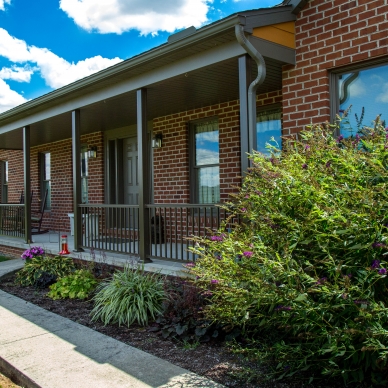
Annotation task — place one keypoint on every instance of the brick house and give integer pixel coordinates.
(141, 152)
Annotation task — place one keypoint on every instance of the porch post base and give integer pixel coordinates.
(145, 261)
(78, 250)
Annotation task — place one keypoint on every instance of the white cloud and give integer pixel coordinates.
(19, 74)
(8, 97)
(205, 156)
(14, 49)
(2, 4)
(383, 97)
(146, 16)
(58, 72)
(55, 70)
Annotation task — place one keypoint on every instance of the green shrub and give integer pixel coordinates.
(182, 314)
(34, 268)
(129, 296)
(76, 285)
(305, 272)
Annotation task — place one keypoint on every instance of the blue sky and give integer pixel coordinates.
(46, 44)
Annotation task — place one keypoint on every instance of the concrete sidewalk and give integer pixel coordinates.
(46, 350)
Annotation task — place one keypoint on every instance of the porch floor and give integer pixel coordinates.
(50, 242)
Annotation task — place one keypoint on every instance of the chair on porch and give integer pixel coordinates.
(37, 218)
(21, 201)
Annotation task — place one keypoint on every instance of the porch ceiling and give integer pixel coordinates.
(199, 88)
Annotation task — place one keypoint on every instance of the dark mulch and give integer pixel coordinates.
(212, 360)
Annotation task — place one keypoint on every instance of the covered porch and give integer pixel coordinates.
(140, 200)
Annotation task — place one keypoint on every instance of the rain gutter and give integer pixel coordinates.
(261, 73)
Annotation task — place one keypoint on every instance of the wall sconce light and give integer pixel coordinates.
(157, 141)
(92, 152)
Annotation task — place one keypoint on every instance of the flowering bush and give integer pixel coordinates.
(305, 273)
(32, 252)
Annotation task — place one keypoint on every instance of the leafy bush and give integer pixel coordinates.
(45, 280)
(76, 285)
(182, 317)
(305, 272)
(129, 296)
(34, 268)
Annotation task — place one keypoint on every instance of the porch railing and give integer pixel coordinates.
(12, 220)
(111, 228)
(115, 228)
(172, 225)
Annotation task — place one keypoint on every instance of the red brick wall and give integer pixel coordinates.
(171, 162)
(329, 34)
(61, 178)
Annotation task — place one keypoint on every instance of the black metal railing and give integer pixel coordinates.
(12, 220)
(115, 228)
(172, 225)
(111, 228)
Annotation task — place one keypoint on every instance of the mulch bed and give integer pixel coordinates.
(212, 360)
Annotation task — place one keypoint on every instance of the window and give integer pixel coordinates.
(46, 178)
(84, 174)
(366, 91)
(205, 159)
(4, 182)
(269, 124)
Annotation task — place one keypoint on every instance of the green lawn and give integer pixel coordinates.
(3, 258)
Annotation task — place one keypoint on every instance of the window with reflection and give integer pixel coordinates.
(46, 178)
(84, 174)
(365, 91)
(205, 160)
(269, 125)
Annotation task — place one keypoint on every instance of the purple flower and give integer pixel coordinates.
(382, 271)
(386, 129)
(32, 252)
(360, 301)
(339, 138)
(375, 264)
(306, 147)
(214, 281)
(283, 308)
(349, 275)
(207, 293)
(190, 265)
(247, 196)
(248, 254)
(258, 192)
(328, 164)
(378, 245)
(243, 209)
(305, 166)
(217, 238)
(218, 257)
(321, 281)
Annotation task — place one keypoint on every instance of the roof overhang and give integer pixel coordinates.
(200, 68)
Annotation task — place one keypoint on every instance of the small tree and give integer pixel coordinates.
(304, 273)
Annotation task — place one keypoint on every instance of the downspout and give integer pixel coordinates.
(261, 73)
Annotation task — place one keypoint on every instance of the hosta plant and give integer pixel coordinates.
(304, 274)
(129, 296)
(34, 268)
(77, 285)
